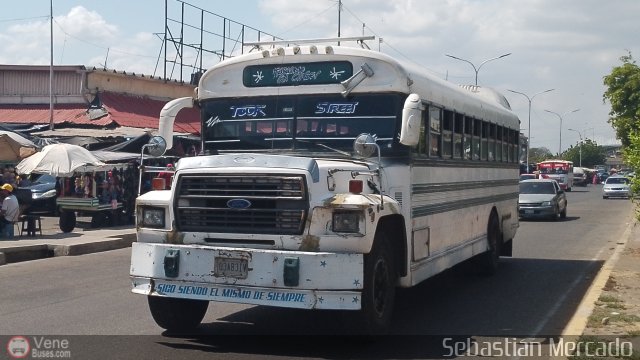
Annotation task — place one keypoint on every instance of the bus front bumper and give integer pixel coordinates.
(292, 279)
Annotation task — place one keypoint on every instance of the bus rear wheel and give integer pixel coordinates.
(487, 262)
(177, 315)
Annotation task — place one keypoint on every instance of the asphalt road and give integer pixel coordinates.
(534, 294)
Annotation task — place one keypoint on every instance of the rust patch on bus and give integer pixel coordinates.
(174, 236)
(310, 243)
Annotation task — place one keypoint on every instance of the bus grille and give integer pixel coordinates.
(241, 203)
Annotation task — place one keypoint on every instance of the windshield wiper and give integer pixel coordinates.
(325, 146)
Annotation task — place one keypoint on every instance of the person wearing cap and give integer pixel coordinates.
(9, 213)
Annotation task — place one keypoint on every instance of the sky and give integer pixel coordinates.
(565, 45)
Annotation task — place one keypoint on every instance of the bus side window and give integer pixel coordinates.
(421, 149)
(468, 133)
(484, 147)
(434, 131)
(447, 134)
(477, 134)
(492, 142)
(499, 143)
(515, 143)
(458, 127)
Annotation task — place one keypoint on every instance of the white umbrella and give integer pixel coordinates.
(57, 160)
(14, 147)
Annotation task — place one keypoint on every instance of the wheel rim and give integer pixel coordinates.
(380, 286)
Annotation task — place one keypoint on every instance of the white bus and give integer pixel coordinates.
(332, 176)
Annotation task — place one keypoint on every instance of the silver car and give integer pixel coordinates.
(542, 198)
(616, 186)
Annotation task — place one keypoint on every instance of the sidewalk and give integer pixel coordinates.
(611, 307)
(53, 242)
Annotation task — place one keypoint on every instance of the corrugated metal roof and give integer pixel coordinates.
(143, 112)
(39, 114)
(122, 110)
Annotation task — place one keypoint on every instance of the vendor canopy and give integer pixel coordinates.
(14, 147)
(57, 160)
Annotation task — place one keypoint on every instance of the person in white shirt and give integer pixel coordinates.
(10, 212)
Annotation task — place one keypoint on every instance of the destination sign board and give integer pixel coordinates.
(316, 73)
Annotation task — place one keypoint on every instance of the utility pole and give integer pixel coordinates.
(339, 14)
(477, 69)
(530, 99)
(51, 67)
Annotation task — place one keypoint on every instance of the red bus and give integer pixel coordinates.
(558, 170)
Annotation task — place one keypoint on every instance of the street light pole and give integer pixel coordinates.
(480, 66)
(560, 117)
(530, 100)
(580, 148)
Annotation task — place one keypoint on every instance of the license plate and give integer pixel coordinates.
(528, 211)
(231, 267)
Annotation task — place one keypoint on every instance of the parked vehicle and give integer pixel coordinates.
(43, 195)
(528, 176)
(542, 198)
(580, 177)
(616, 186)
(603, 176)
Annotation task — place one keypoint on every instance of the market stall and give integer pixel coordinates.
(104, 193)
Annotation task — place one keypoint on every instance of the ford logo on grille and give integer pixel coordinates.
(239, 204)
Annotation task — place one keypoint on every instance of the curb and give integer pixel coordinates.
(42, 251)
(93, 247)
(23, 253)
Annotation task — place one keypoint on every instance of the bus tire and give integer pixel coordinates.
(378, 293)
(67, 221)
(177, 315)
(488, 261)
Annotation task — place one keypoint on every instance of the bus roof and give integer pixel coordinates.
(390, 75)
(555, 163)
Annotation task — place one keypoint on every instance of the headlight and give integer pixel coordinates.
(45, 195)
(546, 203)
(152, 217)
(346, 221)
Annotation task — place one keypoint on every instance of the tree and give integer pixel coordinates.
(631, 155)
(539, 154)
(623, 93)
(592, 154)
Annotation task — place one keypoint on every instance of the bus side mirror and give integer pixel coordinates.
(411, 116)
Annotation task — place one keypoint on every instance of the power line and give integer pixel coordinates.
(388, 44)
(23, 19)
(305, 22)
(100, 46)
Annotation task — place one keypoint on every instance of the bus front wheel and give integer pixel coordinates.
(378, 294)
(177, 315)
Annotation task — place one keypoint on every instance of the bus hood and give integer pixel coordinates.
(313, 166)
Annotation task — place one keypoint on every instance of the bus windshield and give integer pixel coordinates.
(553, 168)
(318, 123)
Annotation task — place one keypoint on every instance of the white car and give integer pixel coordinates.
(616, 186)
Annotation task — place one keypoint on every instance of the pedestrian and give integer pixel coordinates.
(167, 176)
(9, 213)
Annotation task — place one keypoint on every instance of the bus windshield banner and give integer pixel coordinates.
(317, 73)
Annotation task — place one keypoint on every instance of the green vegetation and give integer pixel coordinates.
(592, 154)
(623, 93)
